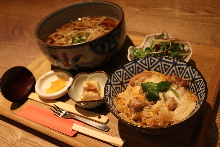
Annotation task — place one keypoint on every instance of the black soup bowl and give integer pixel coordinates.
(87, 55)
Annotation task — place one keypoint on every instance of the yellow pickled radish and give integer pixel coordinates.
(56, 86)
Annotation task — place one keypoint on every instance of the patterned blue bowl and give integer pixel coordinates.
(87, 55)
(168, 66)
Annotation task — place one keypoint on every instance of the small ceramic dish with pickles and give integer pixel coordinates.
(161, 44)
(87, 89)
(53, 84)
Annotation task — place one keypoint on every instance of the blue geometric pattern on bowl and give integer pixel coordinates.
(169, 66)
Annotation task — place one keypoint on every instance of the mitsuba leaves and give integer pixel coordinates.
(153, 89)
(164, 86)
(148, 86)
(152, 95)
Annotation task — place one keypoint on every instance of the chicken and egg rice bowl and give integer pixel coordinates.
(152, 99)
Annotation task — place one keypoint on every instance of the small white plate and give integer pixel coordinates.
(44, 82)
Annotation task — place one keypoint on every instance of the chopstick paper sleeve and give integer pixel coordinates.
(48, 119)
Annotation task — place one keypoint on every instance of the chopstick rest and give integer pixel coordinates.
(48, 119)
(104, 137)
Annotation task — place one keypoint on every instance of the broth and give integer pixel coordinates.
(82, 30)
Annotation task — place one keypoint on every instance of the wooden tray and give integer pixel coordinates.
(189, 135)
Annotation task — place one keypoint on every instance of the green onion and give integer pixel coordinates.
(78, 38)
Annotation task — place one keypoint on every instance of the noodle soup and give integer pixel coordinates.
(69, 46)
(82, 30)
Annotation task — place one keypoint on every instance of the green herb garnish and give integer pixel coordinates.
(174, 91)
(79, 38)
(161, 46)
(153, 89)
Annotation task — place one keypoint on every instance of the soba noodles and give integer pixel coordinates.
(82, 30)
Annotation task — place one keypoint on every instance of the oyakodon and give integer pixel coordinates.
(154, 100)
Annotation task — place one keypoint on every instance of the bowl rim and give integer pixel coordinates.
(84, 73)
(72, 5)
(157, 128)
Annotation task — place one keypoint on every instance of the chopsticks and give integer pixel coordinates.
(104, 137)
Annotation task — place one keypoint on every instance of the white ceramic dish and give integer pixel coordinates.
(44, 82)
(147, 43)
(76, 89)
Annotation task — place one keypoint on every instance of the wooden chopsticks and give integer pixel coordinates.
(104, 137)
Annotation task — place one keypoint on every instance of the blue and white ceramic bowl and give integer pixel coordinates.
(168, 66)
(88, 55)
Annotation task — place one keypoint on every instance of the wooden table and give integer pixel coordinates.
(196, 22)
